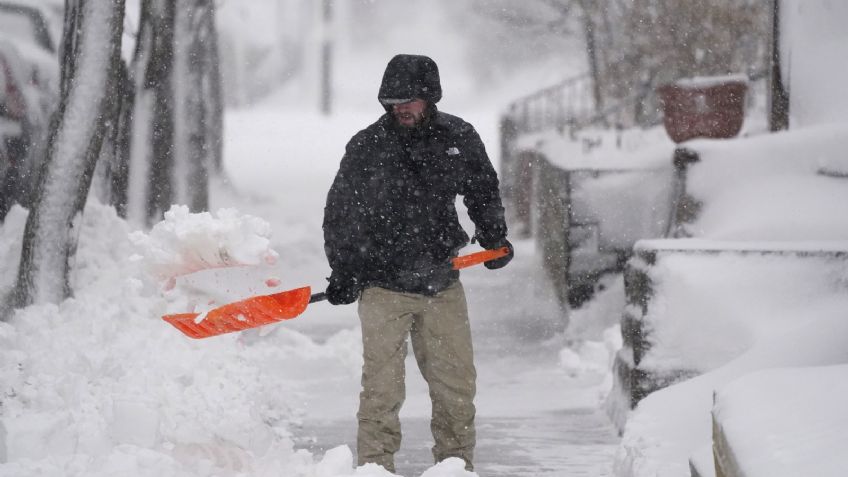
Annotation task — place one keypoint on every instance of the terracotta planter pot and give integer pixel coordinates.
(708, 107)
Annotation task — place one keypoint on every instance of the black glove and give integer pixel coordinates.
(342, 289)
(498, 262)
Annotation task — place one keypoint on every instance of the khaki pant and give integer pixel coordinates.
(441, 342)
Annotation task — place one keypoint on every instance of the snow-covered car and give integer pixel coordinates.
(29, 76)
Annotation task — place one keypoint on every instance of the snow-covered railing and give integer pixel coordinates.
(556, 155)
(571, 106)
(555, 107)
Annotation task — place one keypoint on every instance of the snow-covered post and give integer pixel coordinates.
(90, 65)
(778, 95)
(158, 78)
(327, 56)
(592, 51)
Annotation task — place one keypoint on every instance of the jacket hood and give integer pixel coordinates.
(409, 77)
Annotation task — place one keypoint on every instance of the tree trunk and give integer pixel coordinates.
(592, 55)
(197, 139)
(158, 79)
(120, 166)
(214, 104)
(178, 108)
(90, 65)
(110, 174)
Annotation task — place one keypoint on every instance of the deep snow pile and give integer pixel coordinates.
(805, 427)
(98, 385)
(728, 314)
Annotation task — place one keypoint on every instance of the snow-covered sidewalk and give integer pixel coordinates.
(537, 415)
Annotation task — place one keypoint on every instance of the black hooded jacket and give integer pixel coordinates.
(390, 218)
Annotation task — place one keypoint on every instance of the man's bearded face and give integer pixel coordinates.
(410, 114)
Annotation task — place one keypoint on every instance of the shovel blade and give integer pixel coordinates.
(241, 315)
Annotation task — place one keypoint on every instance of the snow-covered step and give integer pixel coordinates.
(694, 305)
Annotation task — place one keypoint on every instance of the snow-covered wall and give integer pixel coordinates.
(813, 41)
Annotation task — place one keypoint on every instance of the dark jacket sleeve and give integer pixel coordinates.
(343, 224)
(480, 191)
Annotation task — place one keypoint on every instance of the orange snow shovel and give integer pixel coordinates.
(265, 309)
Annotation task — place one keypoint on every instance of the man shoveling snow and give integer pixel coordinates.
(390, 225)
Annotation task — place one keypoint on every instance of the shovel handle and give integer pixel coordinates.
(475, 258)
(463, 261)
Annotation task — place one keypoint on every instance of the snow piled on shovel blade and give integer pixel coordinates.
(203, 260)
(186, 242)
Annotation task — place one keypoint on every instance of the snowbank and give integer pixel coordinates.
(671, 425)
(803, 429)
(710, 306)
(98, 385)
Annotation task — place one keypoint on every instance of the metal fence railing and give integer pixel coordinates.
(555, 107)
(570, 106)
